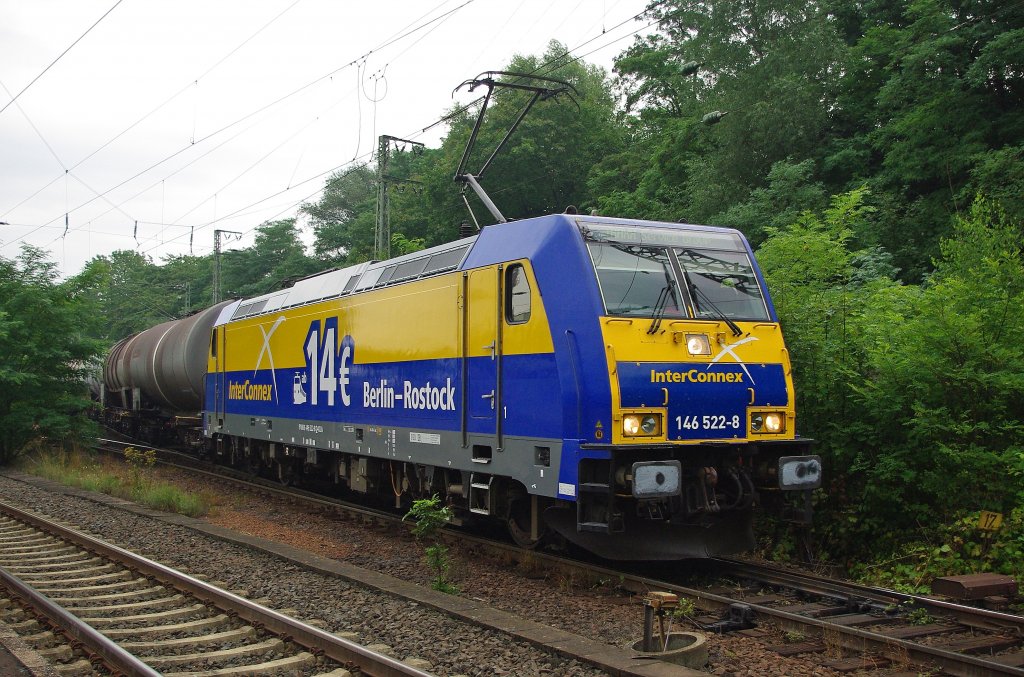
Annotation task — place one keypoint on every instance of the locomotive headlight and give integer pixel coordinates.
(630, 425)
(698, 344)
(641, 425)
(767, 422)
(650, 424)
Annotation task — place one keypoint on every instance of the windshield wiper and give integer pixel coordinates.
(715, 310)
(659, 309)
(662, 303)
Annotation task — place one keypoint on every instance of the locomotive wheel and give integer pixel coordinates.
(247, 465)
(285, 473)
(519, 524)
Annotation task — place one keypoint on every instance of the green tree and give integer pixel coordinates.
(45, 352)
(127, 293)
(543, 168)
(345, 217)
(772, 67)
(919, 101)
(929, 114)
(790, 192)
(186, 281)
(945, 364)
(276, 257)
(821, 286)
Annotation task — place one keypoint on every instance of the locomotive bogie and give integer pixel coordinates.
(474, 495)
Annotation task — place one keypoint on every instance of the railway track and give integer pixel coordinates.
(883, 627)
(84, 603)
(820, 618)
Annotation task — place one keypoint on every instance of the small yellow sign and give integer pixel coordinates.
(990, 521)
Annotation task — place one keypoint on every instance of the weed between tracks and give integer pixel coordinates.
(430, 516)
(133, 481)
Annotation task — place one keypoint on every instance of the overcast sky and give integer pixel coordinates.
(168, 120)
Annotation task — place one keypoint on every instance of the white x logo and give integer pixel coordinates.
(727, 350)
(266, 351)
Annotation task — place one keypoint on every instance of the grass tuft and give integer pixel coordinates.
(84, 470)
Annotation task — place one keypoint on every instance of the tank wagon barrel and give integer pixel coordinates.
(166, 363)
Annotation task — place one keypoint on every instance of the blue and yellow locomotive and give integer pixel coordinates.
(621, 384)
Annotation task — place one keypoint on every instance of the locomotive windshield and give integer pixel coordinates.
(655, 272)
(636, 280)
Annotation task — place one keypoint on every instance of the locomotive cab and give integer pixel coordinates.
(687, 416)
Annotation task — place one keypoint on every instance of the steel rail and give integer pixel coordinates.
(315, 639)
(850, 638)
(74, 629)
(964, 614)
(855, 639)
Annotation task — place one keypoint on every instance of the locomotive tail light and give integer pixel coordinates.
(799, 472)
(656, 479)
(768, 422)
(698, 344)
(642, 425)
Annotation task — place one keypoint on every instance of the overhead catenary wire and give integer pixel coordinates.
(294, 92)
(60, 56)
(67, 171)
(555, 62)
(163, 104)
(175, 172)
(292, 183)
(460, 110)
(133, 125)
(391, 40)
(247, 169)
(335, 169)
(270, 197)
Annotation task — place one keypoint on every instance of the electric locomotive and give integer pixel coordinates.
(618, 384)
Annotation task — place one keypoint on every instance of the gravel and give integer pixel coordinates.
(603, 612)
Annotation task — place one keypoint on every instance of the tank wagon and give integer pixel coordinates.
(621, 384)
(152, 383)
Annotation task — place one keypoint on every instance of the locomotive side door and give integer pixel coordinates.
(219, 387)
(482, 351)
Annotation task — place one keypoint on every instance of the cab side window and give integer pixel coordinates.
(517, 295)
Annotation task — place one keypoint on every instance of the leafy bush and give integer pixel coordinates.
(916, 394)
(45, 354)
(943, 384)
(958, 548)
